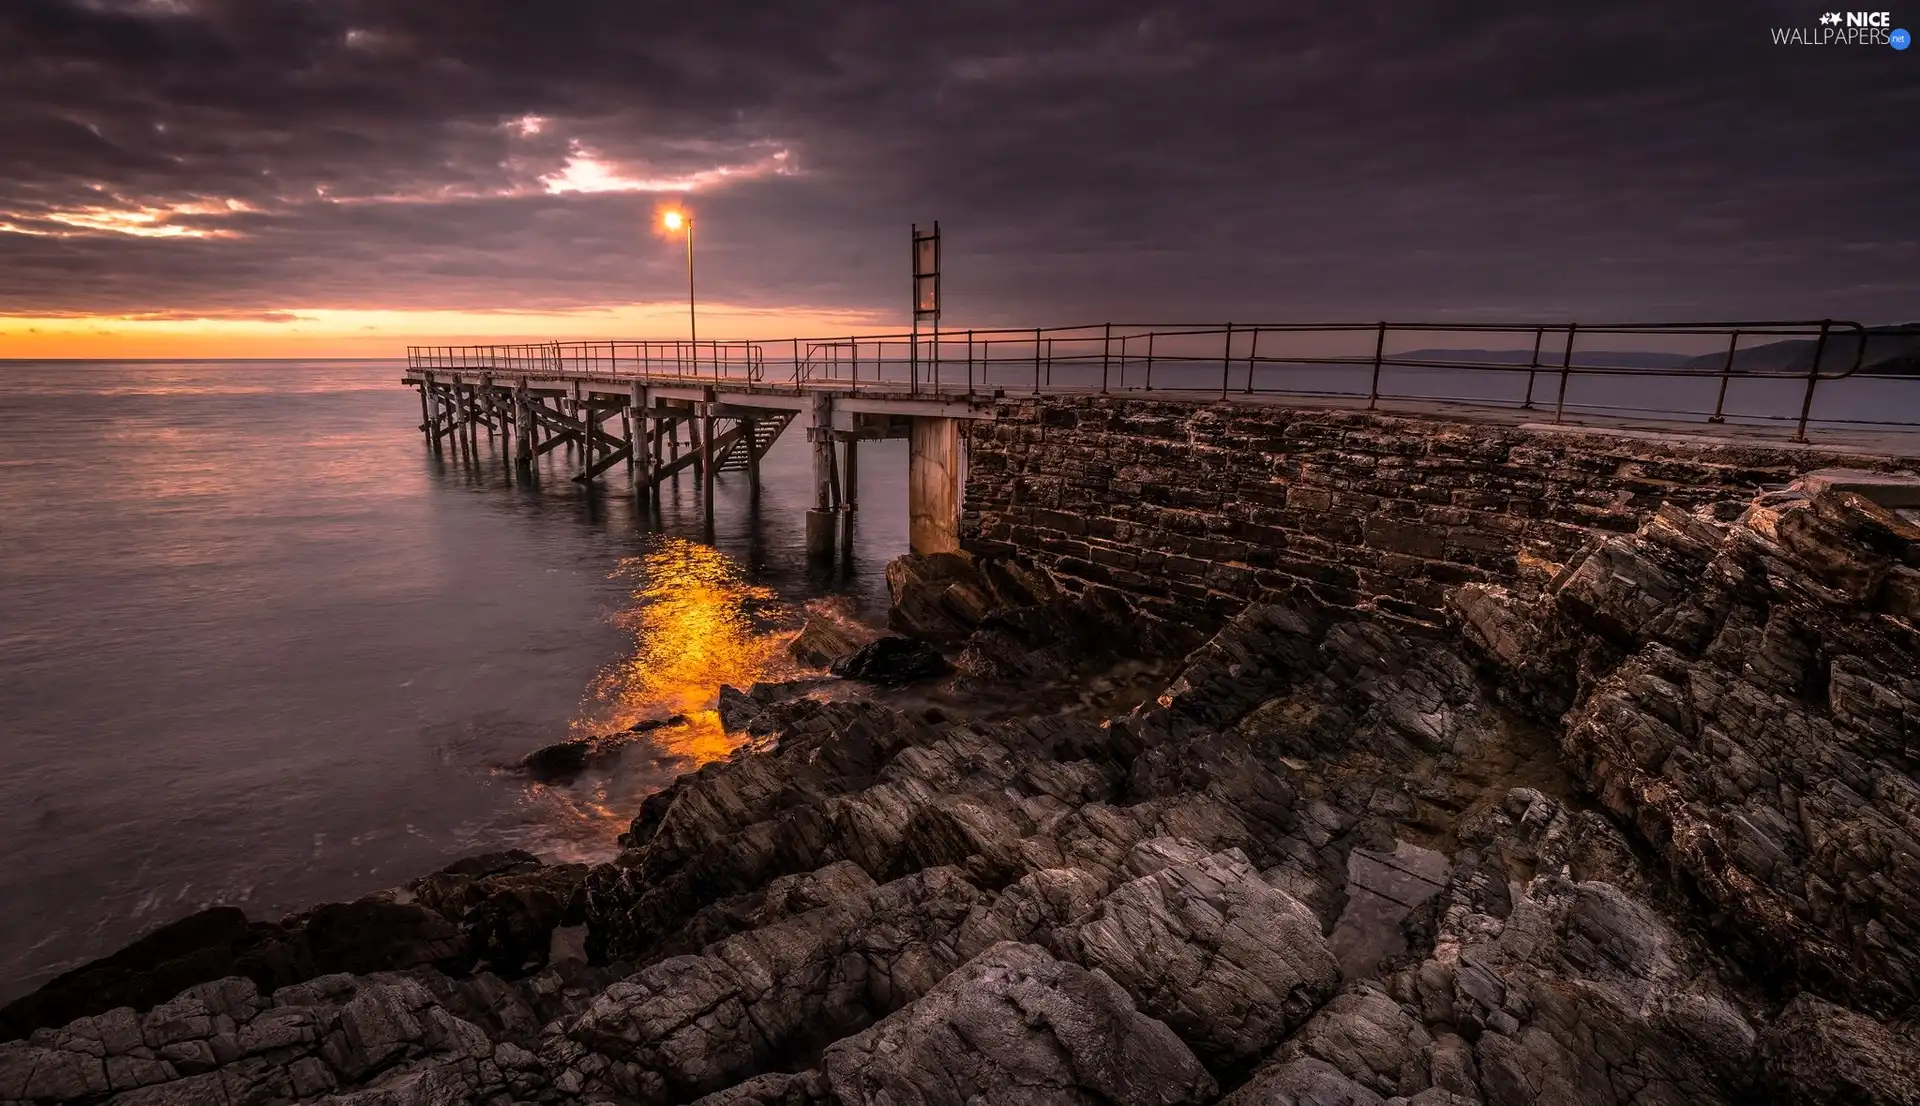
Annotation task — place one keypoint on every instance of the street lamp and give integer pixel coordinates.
(675, 220)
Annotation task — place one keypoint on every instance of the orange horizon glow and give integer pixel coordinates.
(352, 332)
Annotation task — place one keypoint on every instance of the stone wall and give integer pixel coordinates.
(1193, 510)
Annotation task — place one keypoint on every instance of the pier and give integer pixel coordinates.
(658, 408)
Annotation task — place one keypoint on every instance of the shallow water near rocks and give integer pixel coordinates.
(257, 647)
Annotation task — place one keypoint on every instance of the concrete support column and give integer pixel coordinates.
(933, 485)
(820, 519)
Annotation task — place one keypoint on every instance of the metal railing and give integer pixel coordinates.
(1572, 366)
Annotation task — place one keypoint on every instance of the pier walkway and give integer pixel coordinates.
(660, 407)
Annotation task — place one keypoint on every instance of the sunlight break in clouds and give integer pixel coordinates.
(140, 222)
(588, 171)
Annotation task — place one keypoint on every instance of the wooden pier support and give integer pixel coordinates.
(523, 428)
(642, 450)
(706, 457)
(820, 519)
(750, 441)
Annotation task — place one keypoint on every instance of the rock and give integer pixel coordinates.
(1229, 962)
(1307, 1082)
(648, 725)
(738, 710)
(1736, 698)
(891, 661)
(1823, 1054)
(824, 641)
(198, 947)
(1014, 1025)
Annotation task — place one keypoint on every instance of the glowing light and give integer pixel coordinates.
(692, 631)
(672, 220)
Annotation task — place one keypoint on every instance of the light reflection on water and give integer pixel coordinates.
(695, 623)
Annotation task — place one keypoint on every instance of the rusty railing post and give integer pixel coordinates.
(1813, 378)
(1150, 360)
(1533, 367)
(1379, 351)
(1106, 356)
(1726, 371)
(1036, 360)
(1566, 364)
(1253, 353)
(1226, 361)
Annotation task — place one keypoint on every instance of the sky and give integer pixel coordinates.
(343, 177)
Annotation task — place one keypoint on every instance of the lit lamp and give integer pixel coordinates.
(674, 221)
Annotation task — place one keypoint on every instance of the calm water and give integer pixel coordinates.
(257, 647)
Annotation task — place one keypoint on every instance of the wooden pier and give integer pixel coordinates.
(656, 422)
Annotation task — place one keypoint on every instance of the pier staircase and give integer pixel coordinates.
(766, 431)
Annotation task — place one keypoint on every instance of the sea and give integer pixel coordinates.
(260, 647)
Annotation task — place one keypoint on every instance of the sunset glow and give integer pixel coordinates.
(336, 332)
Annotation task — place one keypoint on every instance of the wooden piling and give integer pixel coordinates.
(820, 519)
(706, 457)
(523, 427)
(749, 440)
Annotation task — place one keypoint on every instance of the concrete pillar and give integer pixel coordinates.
(820, 519)
(933, 485)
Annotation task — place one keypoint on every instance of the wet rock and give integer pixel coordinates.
(201, 946)
(563, 761)
(738, 710)
(824, 641)
(891, 662)
(1015, 1025)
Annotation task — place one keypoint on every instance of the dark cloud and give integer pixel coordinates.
(1088, 159)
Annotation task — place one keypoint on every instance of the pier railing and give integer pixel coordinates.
(1668, 370)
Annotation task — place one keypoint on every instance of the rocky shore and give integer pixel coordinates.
(1648, 834)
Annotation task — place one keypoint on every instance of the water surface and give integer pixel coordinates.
(259, 647)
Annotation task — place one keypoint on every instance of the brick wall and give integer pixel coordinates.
(1195, 509)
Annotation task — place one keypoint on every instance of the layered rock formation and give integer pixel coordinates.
(1648, 838)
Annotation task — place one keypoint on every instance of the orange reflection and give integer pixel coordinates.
(693, 630)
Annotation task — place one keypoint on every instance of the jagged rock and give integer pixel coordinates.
(891, 661)
(1823, 1054)
(201, 946)
(824, 642)
(1014, 1025)
(563, 761)
(1229, 962)
(1744, 697)
(738, 710)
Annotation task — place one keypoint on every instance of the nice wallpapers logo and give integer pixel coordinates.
(1846, 29)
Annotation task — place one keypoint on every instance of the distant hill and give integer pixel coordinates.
(1889, 349)
(1550, 358)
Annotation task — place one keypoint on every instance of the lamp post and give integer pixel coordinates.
(676, 220)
